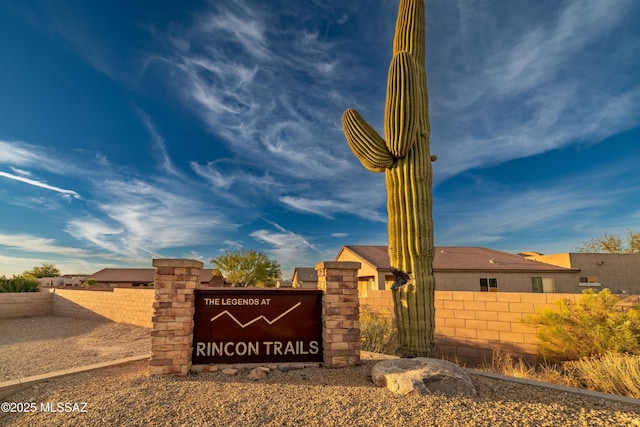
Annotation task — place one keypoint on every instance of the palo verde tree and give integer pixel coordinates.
(44, 270)
(247, 268)
(613, 243)
(403, 155)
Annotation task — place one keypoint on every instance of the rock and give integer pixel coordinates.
(423, 376)
(230, 371)
(257, 374)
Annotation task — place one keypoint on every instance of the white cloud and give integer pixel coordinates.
(239, 26)
(35, 244)
(534, 79)
(503, 211)
(329, 207)
(141, 219)
(159, 144)
(20, 154)
(288, 248)
(68, 193)
(20, 171)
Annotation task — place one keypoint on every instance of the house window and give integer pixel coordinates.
(589, 281)
(542, 285)
(489, 284)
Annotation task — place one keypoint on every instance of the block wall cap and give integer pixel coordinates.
(180, 263)
(338, 265)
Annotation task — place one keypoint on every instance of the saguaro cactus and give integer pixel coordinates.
(404, 156)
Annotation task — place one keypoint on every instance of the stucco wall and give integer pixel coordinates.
(507, 282)
(620, 273)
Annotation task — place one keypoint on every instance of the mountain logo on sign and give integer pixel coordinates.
(244, 325)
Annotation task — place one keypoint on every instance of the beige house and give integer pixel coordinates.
(620, 273)
(133, 277)
(467, 269)
(304, 278)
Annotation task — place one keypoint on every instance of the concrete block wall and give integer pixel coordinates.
(340, 313)
(24, 304)
(471, 325)
(124, 305)
(173, 310)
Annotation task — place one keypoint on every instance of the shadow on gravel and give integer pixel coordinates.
(42, 328)
(39, 345)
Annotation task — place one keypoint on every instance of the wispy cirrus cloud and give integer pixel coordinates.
(65, 192)
(139, 218)
(328, 208)
(262, 104)
(290, 249)
(35, 244)
(544, 84)
(511, 210)
(20, 154)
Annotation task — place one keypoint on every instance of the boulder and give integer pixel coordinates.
(423, 376)
(230, 371)
(257, 374)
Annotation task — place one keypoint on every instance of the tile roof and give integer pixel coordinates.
(458, 258)
(306, 274)
(136, 275)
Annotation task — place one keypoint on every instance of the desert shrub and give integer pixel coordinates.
(609, 373)
(90, 283)
(19, 284)
(378, 334)
(595, 325)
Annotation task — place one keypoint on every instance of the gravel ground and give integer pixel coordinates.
(126, 395)
(38, 345)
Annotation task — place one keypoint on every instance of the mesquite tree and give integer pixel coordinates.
(403, 155)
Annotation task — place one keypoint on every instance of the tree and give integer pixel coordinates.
(613, 243)
(403, 155)
(45, 270)
(248, 268)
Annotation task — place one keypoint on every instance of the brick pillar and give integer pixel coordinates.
(340, 313)
(173, 308)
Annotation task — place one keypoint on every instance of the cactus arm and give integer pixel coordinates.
(402, 120)
(365, 142)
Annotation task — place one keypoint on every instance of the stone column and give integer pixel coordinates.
(340, 313)
(173, 308)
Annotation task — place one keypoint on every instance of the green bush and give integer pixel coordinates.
(377, 333)
(595, 325)
(19, 284)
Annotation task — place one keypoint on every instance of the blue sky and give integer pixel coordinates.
(158, 129)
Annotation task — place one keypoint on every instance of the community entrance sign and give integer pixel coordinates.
(240, 325)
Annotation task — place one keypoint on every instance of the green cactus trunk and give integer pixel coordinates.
(404, 157)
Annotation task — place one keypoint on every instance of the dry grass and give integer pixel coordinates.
(609, 373)
(377, 333)
(504, 363)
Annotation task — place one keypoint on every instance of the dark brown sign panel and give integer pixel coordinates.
(257, 325)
